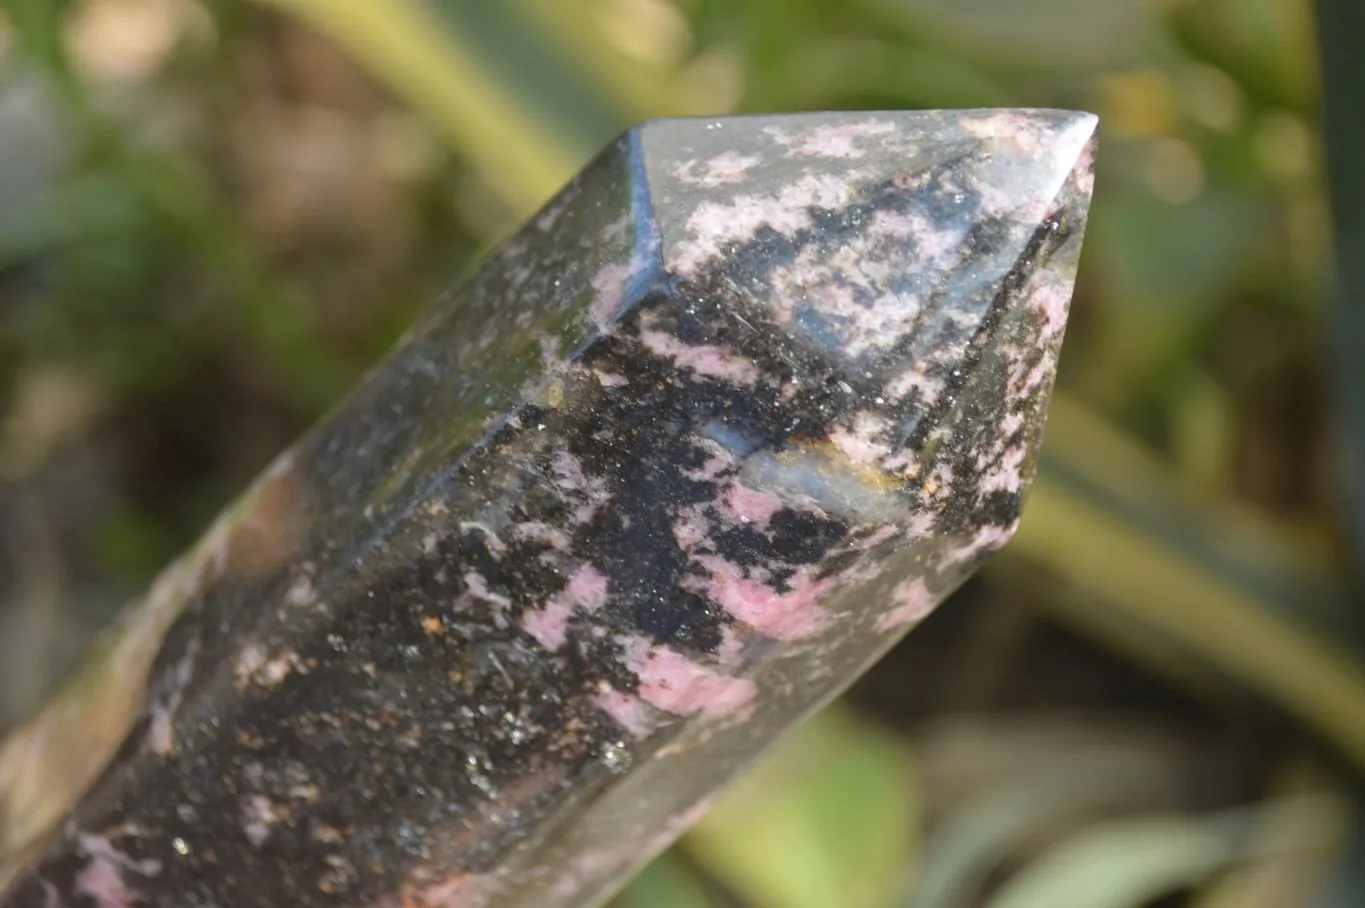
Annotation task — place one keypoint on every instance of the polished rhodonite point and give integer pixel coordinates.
(735, 410)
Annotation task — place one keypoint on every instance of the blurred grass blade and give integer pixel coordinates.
(1341, 23)
(973, 841)
(427, 62)
(1292, 572)
(525, 89)
(1283, 876)
(1081, 524)
(665, 883)
(1123, 865)
(1052, 34)
(825, 820)
(1128, 863)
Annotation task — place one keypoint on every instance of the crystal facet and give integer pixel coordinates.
(727, 417)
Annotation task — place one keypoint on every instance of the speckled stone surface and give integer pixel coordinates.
(722, 422)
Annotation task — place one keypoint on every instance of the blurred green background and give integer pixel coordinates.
(215, 215)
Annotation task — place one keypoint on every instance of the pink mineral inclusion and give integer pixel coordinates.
(752, 505)
(691, 528)
(911, 601)
(549, 625)
(792, 615)
(717, 462)
(569, 477)
(674, 683)
(714, 224)
(1085, 169)
(609, 283)
(833, 141)
(1025, 133)
(478, 588)
(998, 201)
(1052, 299)
(731, 648)
(862, 443)
(703, 359)
(101, 882)
(987, 539)
(727, 167)
(1008, 473)
(543, 532)
(587, 588)
(569, 472)
(627, 710)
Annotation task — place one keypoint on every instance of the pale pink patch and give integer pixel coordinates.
(1007, 475)
(704, 359)
(101, 882)
(546, 219)
(569, 477)
(934, 246)
(940, 480)
(876, 538)
(690, 528)
(713, 224)
(921, 525)
(676, 684)
(587, 588)
(102, 848)
(550, 625)
(254, 666)
(731, 648)
(727, 167)
(1024, 133)
(717, 462)
(258, 815)
(568, 472)
(834, 141)
(610, 284)
(249, 660)
(478, 588)
(783, 616)
(987, 539)
(160, 733)
(1011, 424)
(1053, 300)
(543, 532)
(549, 354)
(1085, 169)
(752, 505)
(610, 379)
(895, 224)
(1027, 379)
(863, 442)
(840, 284)
(627, 710)
(999, 202)
(911, 601)
(929, 388)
